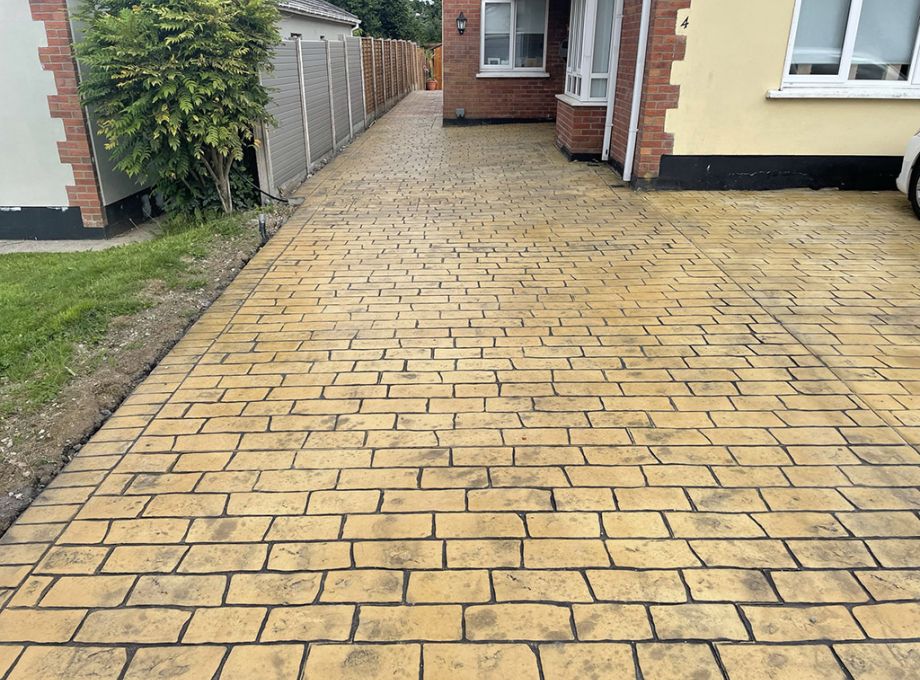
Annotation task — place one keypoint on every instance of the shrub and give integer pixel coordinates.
(174, 85)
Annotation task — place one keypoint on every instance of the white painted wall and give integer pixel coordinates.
(31, 173)
(311, 29)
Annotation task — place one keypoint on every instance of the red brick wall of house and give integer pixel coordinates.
(580, 129)
(498, 98)
(626, 72)
(658, 94)
(75, 150)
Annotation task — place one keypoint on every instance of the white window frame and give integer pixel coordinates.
(584, 71)
(510, 69)
(840, 85)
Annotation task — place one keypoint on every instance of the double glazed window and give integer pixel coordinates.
(514, 35)
(854, 43)
(587, 69)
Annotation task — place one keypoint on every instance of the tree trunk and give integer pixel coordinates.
(219, 169)
(226, 194)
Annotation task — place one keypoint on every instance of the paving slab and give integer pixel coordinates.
(479, 412)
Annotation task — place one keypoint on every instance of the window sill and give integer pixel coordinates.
(799, 92)
(572, 101)
(512, 74)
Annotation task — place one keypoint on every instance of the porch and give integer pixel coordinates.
(552, 60)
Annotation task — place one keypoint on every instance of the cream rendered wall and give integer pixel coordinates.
(312, 29)
(736, 52)
(31, 173)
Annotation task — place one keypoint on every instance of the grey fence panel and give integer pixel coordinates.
(287, 152)
(355, 60)
(316, 84)
(319, 103)
(340, 92)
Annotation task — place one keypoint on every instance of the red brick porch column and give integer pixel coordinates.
(75, 150)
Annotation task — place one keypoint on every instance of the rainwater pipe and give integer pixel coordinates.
(615, 40)
(637, 91)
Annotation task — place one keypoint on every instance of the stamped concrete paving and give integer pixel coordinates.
(477, 412)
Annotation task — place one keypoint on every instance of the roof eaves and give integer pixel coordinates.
(341, 17)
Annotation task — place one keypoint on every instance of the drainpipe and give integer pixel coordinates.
(637, 91)
(615, 40)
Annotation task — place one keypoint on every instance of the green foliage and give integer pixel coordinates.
(175, 85)
(198, 194)
(52, 302)
(418, 20)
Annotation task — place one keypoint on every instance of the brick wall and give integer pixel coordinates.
(658, 94)
(580, 129)
(75, 150)
(626, 72)
(498, 98)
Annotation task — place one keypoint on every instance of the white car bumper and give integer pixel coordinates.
(910, 158)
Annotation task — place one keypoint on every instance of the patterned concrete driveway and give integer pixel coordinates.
(477, 412)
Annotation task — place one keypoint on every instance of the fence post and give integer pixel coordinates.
(399, 83)
(264, 159)
(374, 72)
(363, 83)
(298, 44)
(351, 121)
(383, 61)
(394, 61)
(331, 94)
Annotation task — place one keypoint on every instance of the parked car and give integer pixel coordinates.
(909, 179)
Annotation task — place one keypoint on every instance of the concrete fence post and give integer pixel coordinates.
(298, 43)
(351, 120)
(383, 71)
(264, 159)
(361, 43)
(331, 93)
(399, 58)
(374, 72)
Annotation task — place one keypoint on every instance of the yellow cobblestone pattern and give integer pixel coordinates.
(477, 412)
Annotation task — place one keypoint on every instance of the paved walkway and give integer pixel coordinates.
(476, 412)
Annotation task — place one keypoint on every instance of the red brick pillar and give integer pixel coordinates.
(75, 150)
(659, 95)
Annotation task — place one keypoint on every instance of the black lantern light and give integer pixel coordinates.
(461, 23)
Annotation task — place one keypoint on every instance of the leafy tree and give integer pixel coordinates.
(428, 20)
(418, 20)
(174, 84)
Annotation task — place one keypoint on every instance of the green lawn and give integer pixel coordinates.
(51, 302)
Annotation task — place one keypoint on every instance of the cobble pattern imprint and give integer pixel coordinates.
(477, 412)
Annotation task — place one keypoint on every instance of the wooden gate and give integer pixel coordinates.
(437, 69)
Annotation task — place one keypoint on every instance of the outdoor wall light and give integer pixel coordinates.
(461, 23)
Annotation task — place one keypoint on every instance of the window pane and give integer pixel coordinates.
(819, 37)
(530, 24)
(602, 31)
(497, 32)
(599, 88)
(576, 27)
(885, 40)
